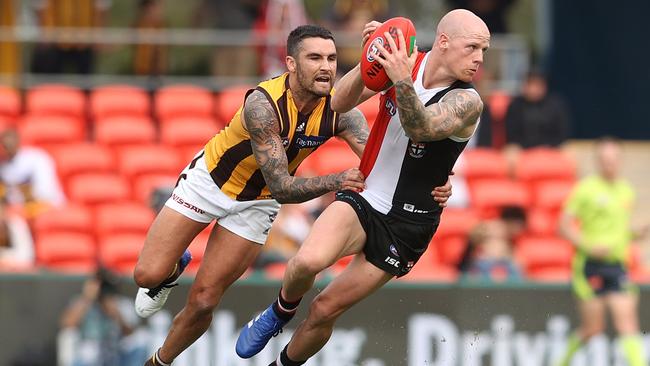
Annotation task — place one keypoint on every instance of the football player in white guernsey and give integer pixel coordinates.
(429, 113)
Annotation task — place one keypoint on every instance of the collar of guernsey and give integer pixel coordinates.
(229, 156)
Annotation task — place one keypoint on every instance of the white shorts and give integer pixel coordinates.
(197, 197)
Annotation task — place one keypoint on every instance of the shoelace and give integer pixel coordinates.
(154, 292)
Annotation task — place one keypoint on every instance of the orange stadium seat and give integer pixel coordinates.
(456, 222)
(83, 157)
(188, 131)
(551, 194)
(176, 101)
(228, 101)
(536, 253)
(119, 100)
(70, 218)
(450, 249)
(122, 218)
(54, 99)
(488, 195)
(51, 131)
(540, 221)
(482, 163)
(69, 252)
(7, 122)
(97, 188)
(539, 164)
(125, 130)
(370, 109)
(147, 159)
(334, 157)
(9, 102)
(145, 184)
(119, 252)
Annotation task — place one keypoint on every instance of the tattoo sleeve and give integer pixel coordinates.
(353, 128)
(263, 127)
(460, 108)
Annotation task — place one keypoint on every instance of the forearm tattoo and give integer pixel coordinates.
(353, 127)
(263, 127)
(460, 108)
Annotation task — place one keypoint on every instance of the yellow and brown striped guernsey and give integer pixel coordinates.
(229, 155)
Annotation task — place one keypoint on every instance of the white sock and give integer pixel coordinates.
(159, 361)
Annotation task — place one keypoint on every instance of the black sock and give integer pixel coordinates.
(284, 309)
(285, 361)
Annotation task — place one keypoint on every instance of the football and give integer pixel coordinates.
(373, 74)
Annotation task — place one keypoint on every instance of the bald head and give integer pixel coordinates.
(463, 23)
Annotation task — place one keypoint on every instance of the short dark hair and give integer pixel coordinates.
(305, 31)
(513, 213)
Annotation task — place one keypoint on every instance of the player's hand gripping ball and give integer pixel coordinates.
(372, 73)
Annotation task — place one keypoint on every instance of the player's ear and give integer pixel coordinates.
(291, 63)
(443, 41)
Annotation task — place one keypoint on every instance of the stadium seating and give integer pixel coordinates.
(83, 157)
(119, 100)
(370, 109)
(551, 194)
(456, 222)
(69, 252)
(177, 101)
(188, 131)
(334, 157)
(116, 218)
(229, 100)
(67, 219)
(541, 253)
(537, 164)
(124, 131)
(197, 248)
(51, 131)
(119, 252)
(488, 195)
(147, 159)
(145, 184)
(482, 163)
(96, 188)
(9, 103)
(450, 249)
(54, 99)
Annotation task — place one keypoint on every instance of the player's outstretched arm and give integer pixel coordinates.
(264, 130)
(353, 128)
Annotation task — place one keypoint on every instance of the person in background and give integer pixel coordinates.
(488, 254)
(16, 244)
(28, 176)
(601, 205)
(149, 59)
(100, 328)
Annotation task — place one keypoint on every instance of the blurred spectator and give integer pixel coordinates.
(69, 55)
(100, 327)
(280, 17)
(10, 60)
(350, 16)
(27, 176)
(535, 118)
(16, 244)
(596, 219)
(488, 254)
(149, 59)
(241, 15)
(493, 12)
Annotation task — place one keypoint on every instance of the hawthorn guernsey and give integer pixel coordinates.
(373, 74)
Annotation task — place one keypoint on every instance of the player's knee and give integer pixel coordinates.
(324, 310)
(203, 300)
(305, 265)
(592, 330)
(148, 277)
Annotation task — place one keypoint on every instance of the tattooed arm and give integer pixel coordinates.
(458, 111)
(353, 128)
(263, 127)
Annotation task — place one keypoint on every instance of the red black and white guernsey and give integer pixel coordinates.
(400, 174)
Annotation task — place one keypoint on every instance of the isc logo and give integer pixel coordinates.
(392, 261)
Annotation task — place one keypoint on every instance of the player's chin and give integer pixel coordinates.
(321, 89)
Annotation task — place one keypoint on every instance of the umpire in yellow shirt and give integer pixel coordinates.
(596, 219)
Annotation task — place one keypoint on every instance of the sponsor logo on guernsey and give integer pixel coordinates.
(416, 150)
(186, 204)
(306, 142)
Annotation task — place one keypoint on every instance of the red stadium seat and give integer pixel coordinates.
(147, 159)
(69, 252)
(188, 131)
(229, 100)
(450, 249)
(9, 102)
(83, 157)
(334, 157)
(538, 164)
(482, 163)
(429, 269)
(488, 195)
(499, 102)
(70, 219)
(119, 100)
(183, 101)
(56, 99)
(197, 248)
(370, 109)
(542, 222)
(535, 253)
(122, 218)
(456, 222)
(145, 184)
(125, 130)
(551, 194)
(97, 188)
(51, 131)
(120, 252)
